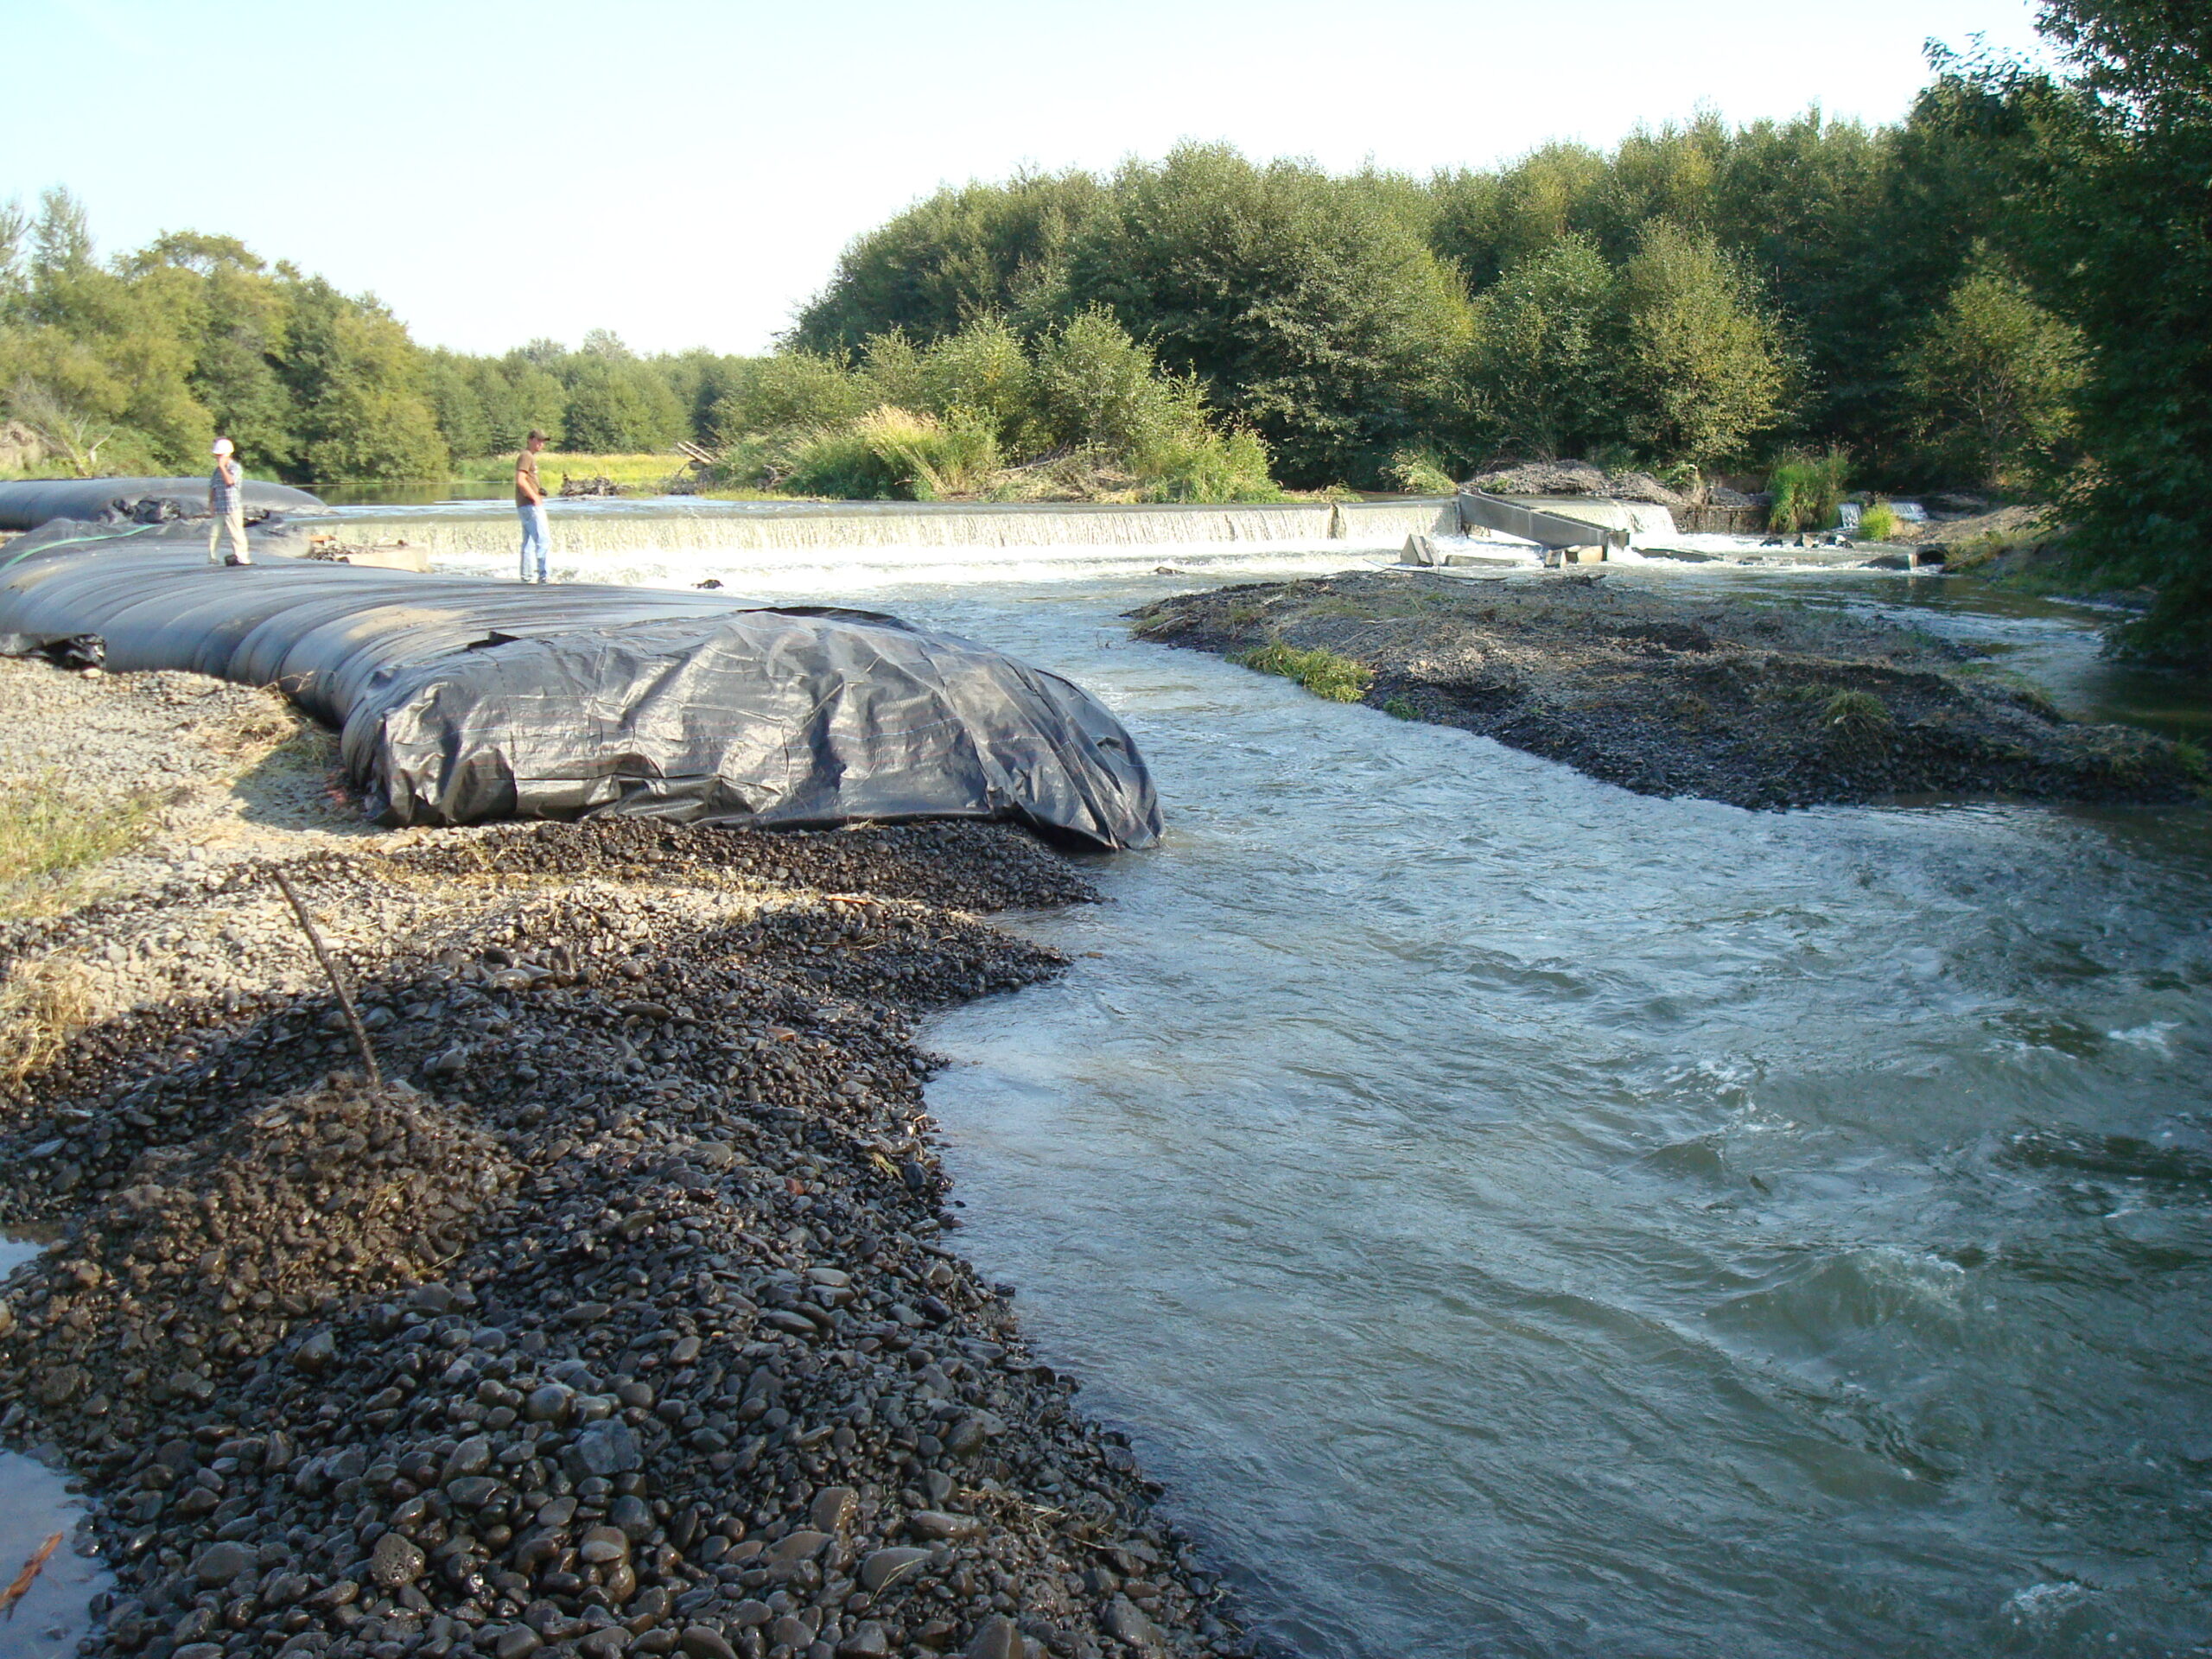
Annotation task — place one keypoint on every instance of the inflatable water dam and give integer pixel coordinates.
(26, 504)
(461, 700)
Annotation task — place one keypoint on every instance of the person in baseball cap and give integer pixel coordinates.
(226, 507)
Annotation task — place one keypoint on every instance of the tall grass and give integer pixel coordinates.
(1878, 523)
(895, 455)
(1322, 672)
(633, 471)
(1808, 489)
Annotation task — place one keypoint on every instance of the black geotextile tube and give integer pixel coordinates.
(463, 700)
(26, 504)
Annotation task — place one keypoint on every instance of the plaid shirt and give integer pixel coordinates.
(225, 495)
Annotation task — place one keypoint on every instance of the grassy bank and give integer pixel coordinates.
(643, 471)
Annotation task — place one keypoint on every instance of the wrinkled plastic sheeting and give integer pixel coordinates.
(26, 504)
(461, 699)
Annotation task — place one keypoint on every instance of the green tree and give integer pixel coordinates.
(983, 250)
(354, 375)
(2110, 230)
(1706, 371)
(1308, 309)
(1994, 375)
(617, 405)
(457, 404)
(1540, 370)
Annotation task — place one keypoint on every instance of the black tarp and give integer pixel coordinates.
(461, 699)
(28, 503)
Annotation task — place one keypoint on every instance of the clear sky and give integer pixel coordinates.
(685, 173)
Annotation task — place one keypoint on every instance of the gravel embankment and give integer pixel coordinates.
(1757, 704)
(624, 1318)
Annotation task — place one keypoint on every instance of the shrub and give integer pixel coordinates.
(1858, 720)
(983, 371)
(1400, 709)
(1422, 472)
(1322, 672)
(894, 454)
(1808, 489)
(1878, 523)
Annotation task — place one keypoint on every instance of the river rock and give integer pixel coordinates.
(396, 1561)
(609, 1447)
(883, 1567)
(700, 1642)
(218, 1564)
(936, 1523)
(997, 1637)
(833, 1509)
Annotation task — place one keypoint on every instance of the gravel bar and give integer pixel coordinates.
(623, 1319)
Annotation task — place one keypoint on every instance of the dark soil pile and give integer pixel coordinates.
(1577, 478)
(625, 1320)
(1757, 705)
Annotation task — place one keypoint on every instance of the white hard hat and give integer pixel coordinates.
(222, 446)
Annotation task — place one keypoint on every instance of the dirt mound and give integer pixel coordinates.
(1576, 478)
(1762, 705)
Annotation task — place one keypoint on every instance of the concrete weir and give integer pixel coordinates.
(831, 527)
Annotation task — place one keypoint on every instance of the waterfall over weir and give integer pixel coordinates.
(677, 528)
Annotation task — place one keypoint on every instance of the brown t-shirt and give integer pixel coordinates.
(528, 490)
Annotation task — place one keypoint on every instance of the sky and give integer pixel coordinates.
(687, 174)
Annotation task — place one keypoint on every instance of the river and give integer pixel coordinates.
(1517, 1216)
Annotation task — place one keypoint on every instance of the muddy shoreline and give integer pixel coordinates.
(627, 1318)
(1725, 697)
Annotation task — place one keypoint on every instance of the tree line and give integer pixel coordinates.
(2010, 287)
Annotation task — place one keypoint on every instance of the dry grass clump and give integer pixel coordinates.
(49, 838)
(43, 1005)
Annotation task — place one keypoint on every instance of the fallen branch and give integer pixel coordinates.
(337, 985)
(28, 1576)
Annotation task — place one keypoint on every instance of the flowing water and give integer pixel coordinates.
(1517, 1216)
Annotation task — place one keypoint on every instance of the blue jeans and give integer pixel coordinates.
(534, 534)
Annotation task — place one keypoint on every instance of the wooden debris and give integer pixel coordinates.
(16, 1591)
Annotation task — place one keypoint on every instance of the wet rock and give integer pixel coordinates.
(936, 1523)
(834, 1509)
(472, 1457)
(218, 1564)
(609, 1447)
(997, 1637)
(603, 1545)
(316, 1354)
(1125, 1623)
(699, 1642)
(396, 1561)
(883, 1567)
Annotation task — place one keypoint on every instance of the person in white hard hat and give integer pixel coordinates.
(226, 507)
